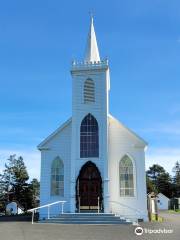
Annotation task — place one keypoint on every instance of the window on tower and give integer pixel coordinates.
(89, 91)
(89, 137)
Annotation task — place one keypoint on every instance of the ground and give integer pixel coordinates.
(26, 231)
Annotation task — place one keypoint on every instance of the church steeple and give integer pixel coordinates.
(92, 52)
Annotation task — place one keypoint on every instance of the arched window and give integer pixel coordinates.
(57, 177)
(126, 177)
(89, 137)
(89, 91)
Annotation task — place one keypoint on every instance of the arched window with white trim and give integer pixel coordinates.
(126, 176)
(57, 177)
(89, 137)
(89, 91)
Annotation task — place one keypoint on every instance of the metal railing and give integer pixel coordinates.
(33, 210)
(98, 204)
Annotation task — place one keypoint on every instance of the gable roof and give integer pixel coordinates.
(162, 195)
(59, 129)
(17, 203)
(65, 124)
(130, 131)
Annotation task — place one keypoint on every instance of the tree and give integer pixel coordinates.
(2, 195)
(158, 180)
(176, 179)
(164, 184)
(14, 180)
(150, 185)
(14, 184)
(34, 187)
(153, 174)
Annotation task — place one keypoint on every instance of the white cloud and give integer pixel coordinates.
(165, 157)
(31, 158)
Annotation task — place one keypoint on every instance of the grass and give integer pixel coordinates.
(174, 211)
(153, 218)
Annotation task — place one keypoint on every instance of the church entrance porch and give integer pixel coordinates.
(89, 189)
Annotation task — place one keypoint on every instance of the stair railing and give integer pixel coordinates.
(79, 201)
(34, 210)
(98, 204)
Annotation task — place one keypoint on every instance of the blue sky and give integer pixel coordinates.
(39, 39)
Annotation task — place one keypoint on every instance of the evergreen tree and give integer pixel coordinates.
(164, 184)
(176, 179)
(14, 180)
(34, 188)
(153, 173)
(158, 180)
(14, 184)
(150, 185)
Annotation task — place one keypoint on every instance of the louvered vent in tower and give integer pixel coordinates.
(89, 91)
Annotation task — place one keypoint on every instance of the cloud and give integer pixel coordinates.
(31, 158)
(165, 157)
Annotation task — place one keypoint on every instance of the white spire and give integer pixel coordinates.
(92, 52)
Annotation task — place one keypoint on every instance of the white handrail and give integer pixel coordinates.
(79, 204)
(33, 210)
(98, 205)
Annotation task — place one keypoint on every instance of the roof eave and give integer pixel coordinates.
(140, 138)
(41, 145)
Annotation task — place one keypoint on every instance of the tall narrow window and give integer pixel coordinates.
(89, 137)
(126, 177)
(89, 91)
(57, 177)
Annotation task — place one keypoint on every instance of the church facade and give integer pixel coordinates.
(93, 161)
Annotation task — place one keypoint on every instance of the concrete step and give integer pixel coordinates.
(85, 222)
(64, 216)
(87, 214)
(86, 218)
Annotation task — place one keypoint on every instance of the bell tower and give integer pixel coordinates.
(90, 97)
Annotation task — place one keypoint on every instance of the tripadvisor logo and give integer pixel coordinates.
(138, 231)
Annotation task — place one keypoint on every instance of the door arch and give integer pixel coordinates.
(89, 188)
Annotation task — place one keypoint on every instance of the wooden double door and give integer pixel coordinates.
(89, 187)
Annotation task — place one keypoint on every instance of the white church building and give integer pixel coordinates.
(92, 160)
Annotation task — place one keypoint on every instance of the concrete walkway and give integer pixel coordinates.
(26, 231)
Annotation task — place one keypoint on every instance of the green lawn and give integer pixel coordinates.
(176, 211)
(153, 218)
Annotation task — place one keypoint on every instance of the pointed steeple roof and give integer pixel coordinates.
(92, 52)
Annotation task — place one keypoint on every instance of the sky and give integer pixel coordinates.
(39, 40)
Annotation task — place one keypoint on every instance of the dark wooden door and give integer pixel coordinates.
(90, 188)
